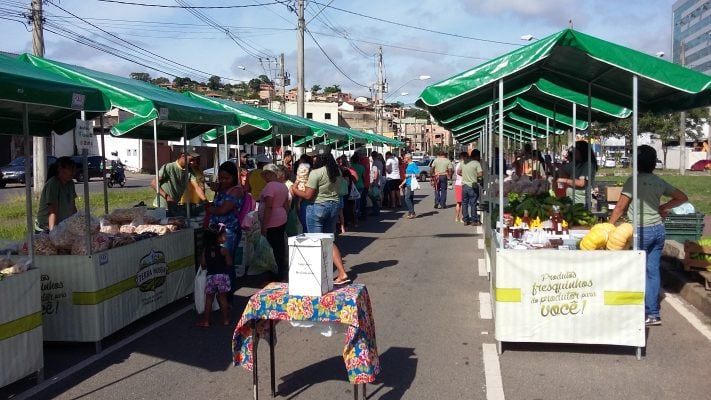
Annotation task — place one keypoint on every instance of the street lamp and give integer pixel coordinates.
(419, 78)
(528, 38)
(659, 54)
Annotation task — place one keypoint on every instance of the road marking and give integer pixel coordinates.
(31, 393)
(485, 306)
(673, 300)
(479, 230)
(480, 244)
(482, 267)
(492, 373)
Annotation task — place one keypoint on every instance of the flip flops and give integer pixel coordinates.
(342, 281)
(203, 324)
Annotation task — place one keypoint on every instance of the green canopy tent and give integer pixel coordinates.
(173, 115)
(33, 100)
(581, 63)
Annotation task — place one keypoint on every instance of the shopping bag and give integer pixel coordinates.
(199, 294)
(239, 259)
(354, 193)
(414, 184)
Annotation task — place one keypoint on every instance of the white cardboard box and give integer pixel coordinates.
(310, 264)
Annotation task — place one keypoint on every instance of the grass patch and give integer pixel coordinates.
(13, 224)
(696, 185)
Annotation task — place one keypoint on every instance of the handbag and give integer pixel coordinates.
(354, 193)
(414, 184)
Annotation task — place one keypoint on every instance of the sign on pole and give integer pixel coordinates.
(84, 136)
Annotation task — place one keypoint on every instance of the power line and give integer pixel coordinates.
(136, 46)
(417, 27)
(332, 62)
(129, 3)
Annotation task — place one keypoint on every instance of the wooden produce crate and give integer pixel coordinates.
(703, 267)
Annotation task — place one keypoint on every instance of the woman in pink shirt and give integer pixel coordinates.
(273, 210)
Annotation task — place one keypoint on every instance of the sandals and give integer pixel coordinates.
(343, 281)
(203, 324)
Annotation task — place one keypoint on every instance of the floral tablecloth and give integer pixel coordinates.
(348, 305)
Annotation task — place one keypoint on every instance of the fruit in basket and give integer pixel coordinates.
(704, 241)
(621, 238)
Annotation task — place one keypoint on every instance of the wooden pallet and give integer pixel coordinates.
(703, 267)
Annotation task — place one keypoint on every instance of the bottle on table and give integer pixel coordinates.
(557, 221)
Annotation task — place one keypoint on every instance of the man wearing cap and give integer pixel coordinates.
(255, 180)
(172, 181)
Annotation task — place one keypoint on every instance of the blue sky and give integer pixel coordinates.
(438, 38)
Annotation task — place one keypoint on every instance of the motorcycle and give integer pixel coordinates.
(116, 175)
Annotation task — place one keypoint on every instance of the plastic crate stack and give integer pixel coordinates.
(684, 227)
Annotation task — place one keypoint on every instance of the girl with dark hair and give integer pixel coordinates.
(217, 261)
(650, 232)
(581, 174)
(322, 189)
(57, 199)
(225, 209)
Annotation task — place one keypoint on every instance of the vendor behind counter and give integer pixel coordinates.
(57, 201)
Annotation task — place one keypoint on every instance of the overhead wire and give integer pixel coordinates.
(139, 48)
(130, 3)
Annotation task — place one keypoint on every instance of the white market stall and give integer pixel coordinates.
(37, 102)
(612, 282)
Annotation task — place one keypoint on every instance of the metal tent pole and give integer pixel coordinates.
(635, 200)
(187, 171)
(155, 158)
(103, 165)
(28, 187)
(501, 161)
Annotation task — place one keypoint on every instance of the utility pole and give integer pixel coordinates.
(300, 63)
(682, 126)
(380, 103)
(39, 142)
(284, 82)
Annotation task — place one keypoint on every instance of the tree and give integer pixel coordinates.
(214, 82)
(180, 82)
(161, 80)
(417, 113)
(265, 79)
(332, 89)
(315, 89)
(254, 85)
(140, 76)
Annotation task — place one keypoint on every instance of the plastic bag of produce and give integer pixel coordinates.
(43, 245)
(99, 242)
(77, 224)
(61, 237)
(199, 292)
(126, 215)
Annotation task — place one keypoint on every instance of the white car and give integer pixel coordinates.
(610, 163)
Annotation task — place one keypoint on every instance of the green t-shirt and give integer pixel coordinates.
(470, 172)
(441, 165)
(171, 179)
(325, 189)
(60, 194)
(360, 171)
(581, 172)
(650, 189)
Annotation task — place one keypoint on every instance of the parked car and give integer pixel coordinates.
(95, 165)
(610, 163)
(624, 162)
(701, 165)
(660, 164)
(424, 167)
(210, 172)
(15, 171)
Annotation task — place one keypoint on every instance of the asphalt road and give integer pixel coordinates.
(424, 284)
(133, 181)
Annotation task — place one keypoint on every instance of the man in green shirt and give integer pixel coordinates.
(441, 171)
(172, 181)
(471, 170)
(57, 199)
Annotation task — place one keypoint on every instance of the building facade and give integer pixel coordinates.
(691, 34)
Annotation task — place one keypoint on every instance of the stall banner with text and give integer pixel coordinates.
(86, 298)
(570, 296)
